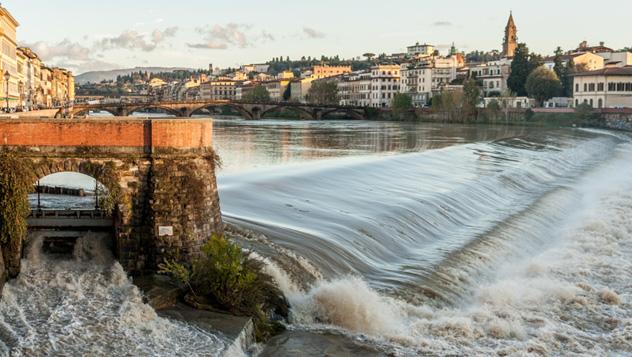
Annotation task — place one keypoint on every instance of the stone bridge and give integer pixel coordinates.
(159, 174)
(247, 110)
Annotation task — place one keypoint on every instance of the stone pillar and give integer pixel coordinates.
(184, 207)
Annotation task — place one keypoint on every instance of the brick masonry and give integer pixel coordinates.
(162, 171)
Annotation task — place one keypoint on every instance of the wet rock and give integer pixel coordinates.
(159, 291)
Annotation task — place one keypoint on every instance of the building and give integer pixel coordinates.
(416, 81)
(32, 76)
(320, 72)
(10, 90)
(424, 50)
(510, 43)
(584, 47)
(610, 87)
(493, 75)
(586, 60)
(219, 89)
(444, 70)
(385, 83)
(355, 88)
(617, 59)
(257, 68)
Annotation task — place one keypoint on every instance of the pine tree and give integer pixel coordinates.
(520, 70)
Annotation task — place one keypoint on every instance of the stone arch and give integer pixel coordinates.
(239, 108)
(302, 110)
(105, 172)
(171, 111)
(350, 112)
(85, 111)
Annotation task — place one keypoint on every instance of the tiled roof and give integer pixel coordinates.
(613, 71)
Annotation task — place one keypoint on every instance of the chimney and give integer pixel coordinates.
(602, 43)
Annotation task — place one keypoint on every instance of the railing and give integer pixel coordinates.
(69, 214)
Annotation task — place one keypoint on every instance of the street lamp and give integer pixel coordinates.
(7, 77)
(21, 91)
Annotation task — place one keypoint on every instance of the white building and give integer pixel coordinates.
(385, 83)
(258, 68)
(444, 71)
(416, 81)
(494, 76)
(605, 88)
(617, 59)
(418, 50)
(220, 89)
(354, 88)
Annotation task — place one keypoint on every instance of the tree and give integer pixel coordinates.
(543, 84)
(471, 94)
(402, 102)
(520, 70)
(323, 92)
(258, 94)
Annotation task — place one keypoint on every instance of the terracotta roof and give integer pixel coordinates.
(614, 71)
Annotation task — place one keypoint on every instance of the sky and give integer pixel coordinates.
(86, 35)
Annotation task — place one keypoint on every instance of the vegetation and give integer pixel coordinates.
(481, 56)
(543, 84)
(258, 94)
(323, 92)
(472, 96)
(15, 185)
(402, 102)
(226, 278)
(521, 66)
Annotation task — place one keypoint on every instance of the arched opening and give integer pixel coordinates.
(154, 112)
(220, 112)
(341, 114)
(289, 112)
(66, 206)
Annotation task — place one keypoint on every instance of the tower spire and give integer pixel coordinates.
(510, 42)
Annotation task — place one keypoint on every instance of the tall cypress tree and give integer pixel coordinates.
(520, 69)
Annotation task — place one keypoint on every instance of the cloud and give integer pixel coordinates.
(131, 40)
(266, 36)
(65, 49)
(312, 33)
(442, 23)
(220, 37)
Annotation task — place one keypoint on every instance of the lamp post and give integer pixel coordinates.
(7, 77)
(21, 91)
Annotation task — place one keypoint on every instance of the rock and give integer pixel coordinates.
(160, 292)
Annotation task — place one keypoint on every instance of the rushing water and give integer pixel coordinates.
(427, 239)
(388, 239)
(85, 305)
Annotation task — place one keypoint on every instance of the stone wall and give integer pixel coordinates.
(159, 173)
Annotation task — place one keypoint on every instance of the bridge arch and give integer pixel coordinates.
(349, 112)
(168, 110)
(246, 114)
(294, 108)
(85, 111)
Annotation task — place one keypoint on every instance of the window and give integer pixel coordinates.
(585, 87)
(576, 87)
(611, 87)
(600, 87)
(591, 87)
(600, 103)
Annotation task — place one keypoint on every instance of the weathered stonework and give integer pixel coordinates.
(161, 174)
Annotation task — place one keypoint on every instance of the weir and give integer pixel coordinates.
(162, 199)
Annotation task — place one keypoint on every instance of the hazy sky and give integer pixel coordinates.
(88, 34)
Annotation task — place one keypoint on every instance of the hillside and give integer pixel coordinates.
(98, 76)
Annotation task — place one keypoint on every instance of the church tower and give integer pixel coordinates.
(511, 38)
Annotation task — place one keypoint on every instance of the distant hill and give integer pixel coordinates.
(98, 76)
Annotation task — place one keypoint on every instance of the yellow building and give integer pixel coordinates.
(320, 72)
(8, 28)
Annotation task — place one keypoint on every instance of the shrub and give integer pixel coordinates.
(16, 181)
(227, 278)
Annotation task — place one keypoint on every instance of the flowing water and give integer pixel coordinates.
(408, 239)
(387, 239)
(85, 305)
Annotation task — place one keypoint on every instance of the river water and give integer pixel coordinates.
(410, 239)
(387, 239)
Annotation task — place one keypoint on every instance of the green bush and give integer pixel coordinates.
(228, 279)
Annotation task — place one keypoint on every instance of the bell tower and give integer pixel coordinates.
(511, 38)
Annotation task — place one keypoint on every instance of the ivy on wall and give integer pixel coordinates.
(16, 181)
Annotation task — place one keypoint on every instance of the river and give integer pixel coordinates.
(387, 239)
(407, 239)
